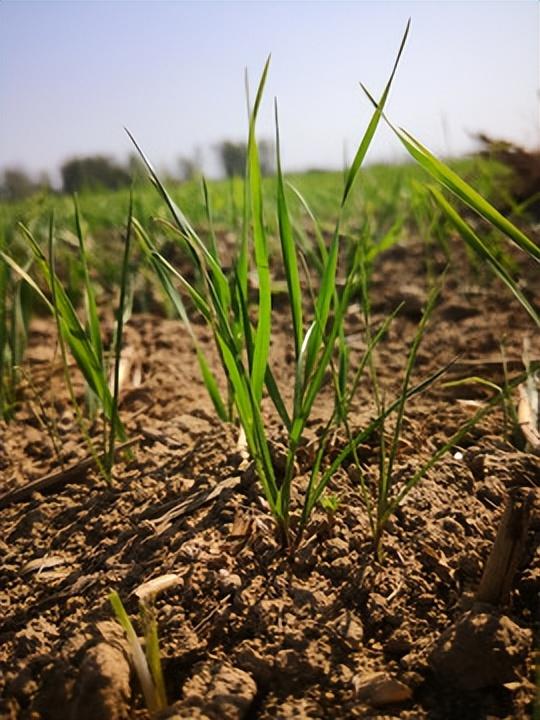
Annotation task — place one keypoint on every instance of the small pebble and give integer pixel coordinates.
(229, 582)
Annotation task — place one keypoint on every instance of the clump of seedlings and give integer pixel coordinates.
(242, 334)
(83, 340)
(242, 329)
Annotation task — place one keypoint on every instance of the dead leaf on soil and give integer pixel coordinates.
(526, 419)
(436, 562)
(150, 589)
(242, 525)
(45, 563)
(161, 524)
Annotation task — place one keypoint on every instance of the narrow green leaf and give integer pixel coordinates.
(481, 249)
(139, 659)
(317, 488)
(163, 270)
(462, 431)
(288, 250)
(264, 319)
(250, 417)
(72, 330)
(4, 343)
(372, 127)
(322, 307)
(26, 277)
(321, 246)
(451, 180)
(386, 479)
(247, 336)
(116, 426)
(153, 655)
(260, 89)
(94, 329)
(211, 385)
(195, 244)
(210, 219)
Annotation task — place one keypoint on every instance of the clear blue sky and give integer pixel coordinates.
(72, 74)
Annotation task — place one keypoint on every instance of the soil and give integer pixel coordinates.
(247, 632)
(524, 183)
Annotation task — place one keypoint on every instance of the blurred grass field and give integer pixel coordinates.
(385, 192)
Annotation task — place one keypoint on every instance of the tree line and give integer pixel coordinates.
(94, 172)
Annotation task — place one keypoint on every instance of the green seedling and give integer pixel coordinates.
(330, 503)
(146, 656)
(15, 312)
(83, 341)
(244, 345)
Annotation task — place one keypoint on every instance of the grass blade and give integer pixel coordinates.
(388, 466)
(139, 660)
(212, 387)
(450, 443)
(71, 328)
(5, 391)
(153, 655)
(196, 247)
(92, 317)
(323, 252)
(372, 127)
(288, 250)
(451, 180)
(479, 247)
(210, 219)
(327, 288)
(455, 184)
(264, 319)
(115, 425)
(163, 271)
(312, 498)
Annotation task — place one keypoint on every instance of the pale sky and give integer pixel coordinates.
(72, 74)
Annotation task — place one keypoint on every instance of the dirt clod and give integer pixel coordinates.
(379, 689)
(220, 691)
(103, 689)
(480, 650)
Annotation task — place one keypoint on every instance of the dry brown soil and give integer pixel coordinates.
(246, 632)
